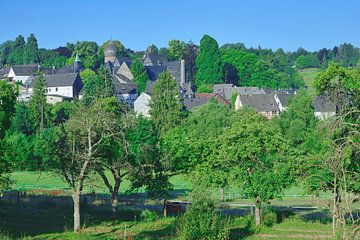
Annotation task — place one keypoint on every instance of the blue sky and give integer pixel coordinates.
(286, 24)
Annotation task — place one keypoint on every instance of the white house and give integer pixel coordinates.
(141, 105)
(22, 73)
(323, 107)
(60, 87)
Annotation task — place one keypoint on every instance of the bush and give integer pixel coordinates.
(148, 216)
(269, 218)
(201, 220)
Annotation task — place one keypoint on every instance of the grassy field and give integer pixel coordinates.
(309, 75)
(48, 220)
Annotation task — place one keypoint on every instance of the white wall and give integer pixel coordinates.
(62, 91)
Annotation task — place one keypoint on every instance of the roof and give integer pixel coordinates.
(226, 90)
(124, 88)
(323, 104)
(203, 98)
(55, 80)
(284, 97)
(110, 49)
(153, 72)
(156, 59)
(25, 70)
(4, 71)
(261, 102)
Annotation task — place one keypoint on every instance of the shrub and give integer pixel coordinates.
(201, 220)
(148, 216)
(269, 218)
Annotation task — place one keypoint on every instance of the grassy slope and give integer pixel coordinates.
(309, 75)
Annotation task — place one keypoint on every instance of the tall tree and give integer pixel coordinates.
(190, 56)
(31, 50)
(79, 140)
(7, 110)
(37, 104)
(140, 75)
(208, 63)
(88, 52)
(165, 106)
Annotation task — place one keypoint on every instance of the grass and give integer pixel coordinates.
(40, 221)
(309, 75)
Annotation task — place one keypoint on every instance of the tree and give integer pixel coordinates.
(176, 49)
(308, 61)
(208, 63)
(190, 56)
(78, 141)
(165, 106)
(37, 104)
(258, 157)
(140, 75)
(7, 110)
(96, 85)
(88, 53)
(31, 50)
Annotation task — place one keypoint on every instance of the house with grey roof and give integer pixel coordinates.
(200, 99)
(263, 103)
(60, 87)
(22, 73)
(324, 107)
(226, 90)
(152, 58)
(142, 105)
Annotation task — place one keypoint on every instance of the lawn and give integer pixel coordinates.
(309, 75)
(50, 220)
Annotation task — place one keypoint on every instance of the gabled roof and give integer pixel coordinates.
(203, 98)
(125, 88)
(261, 102)
(156, 59)
(4, 71)
(323, 104)
(55, 80)
(153, 72)
(284, 97)
(25, 70)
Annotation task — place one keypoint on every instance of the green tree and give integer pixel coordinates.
(31, 50)
(165, 106)
(140, 75)
(258, 158)
(308, 61)
(208, 63)
(37, 104)
(88, 53)
(7, 110)
(176, 49)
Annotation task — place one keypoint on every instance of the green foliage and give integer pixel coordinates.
(21, 121)
(148, 216)
(37, 105)
(88, 53)
(233, 99)
(31, 50)
(252, 70)
(201, 221)
(205, 88)
(121, 51)
(96, 85)
(176, 49)
(307, 61)
(208, 63)
(269, 218)
(140, 75)
(7, 106)
(165, 106)
(258, 156)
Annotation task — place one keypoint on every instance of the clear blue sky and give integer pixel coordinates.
(288, 24)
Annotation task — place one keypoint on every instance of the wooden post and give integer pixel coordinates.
(165, 208)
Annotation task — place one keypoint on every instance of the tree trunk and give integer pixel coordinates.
(76, 200)
(222, 195)
(258, 212)
(114, 201)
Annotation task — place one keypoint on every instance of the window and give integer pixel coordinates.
(56, 89)
(49, 90)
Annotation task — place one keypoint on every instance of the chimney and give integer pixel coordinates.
(182, 69)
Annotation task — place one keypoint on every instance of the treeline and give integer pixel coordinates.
(206, 64)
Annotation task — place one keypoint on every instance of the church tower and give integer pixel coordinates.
(110, 52)
(77, 64)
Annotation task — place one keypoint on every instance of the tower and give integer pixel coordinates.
(110, 52)
(77, 63)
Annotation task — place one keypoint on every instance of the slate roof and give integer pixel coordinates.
(156, 59)
(174, 67)
(125, 88)
(55, 80)
(153, 72)
(323, 104)
(4, 71)
(226, 90)
(261, 102)
(25, 70)
(201, 99)
(284, 97)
